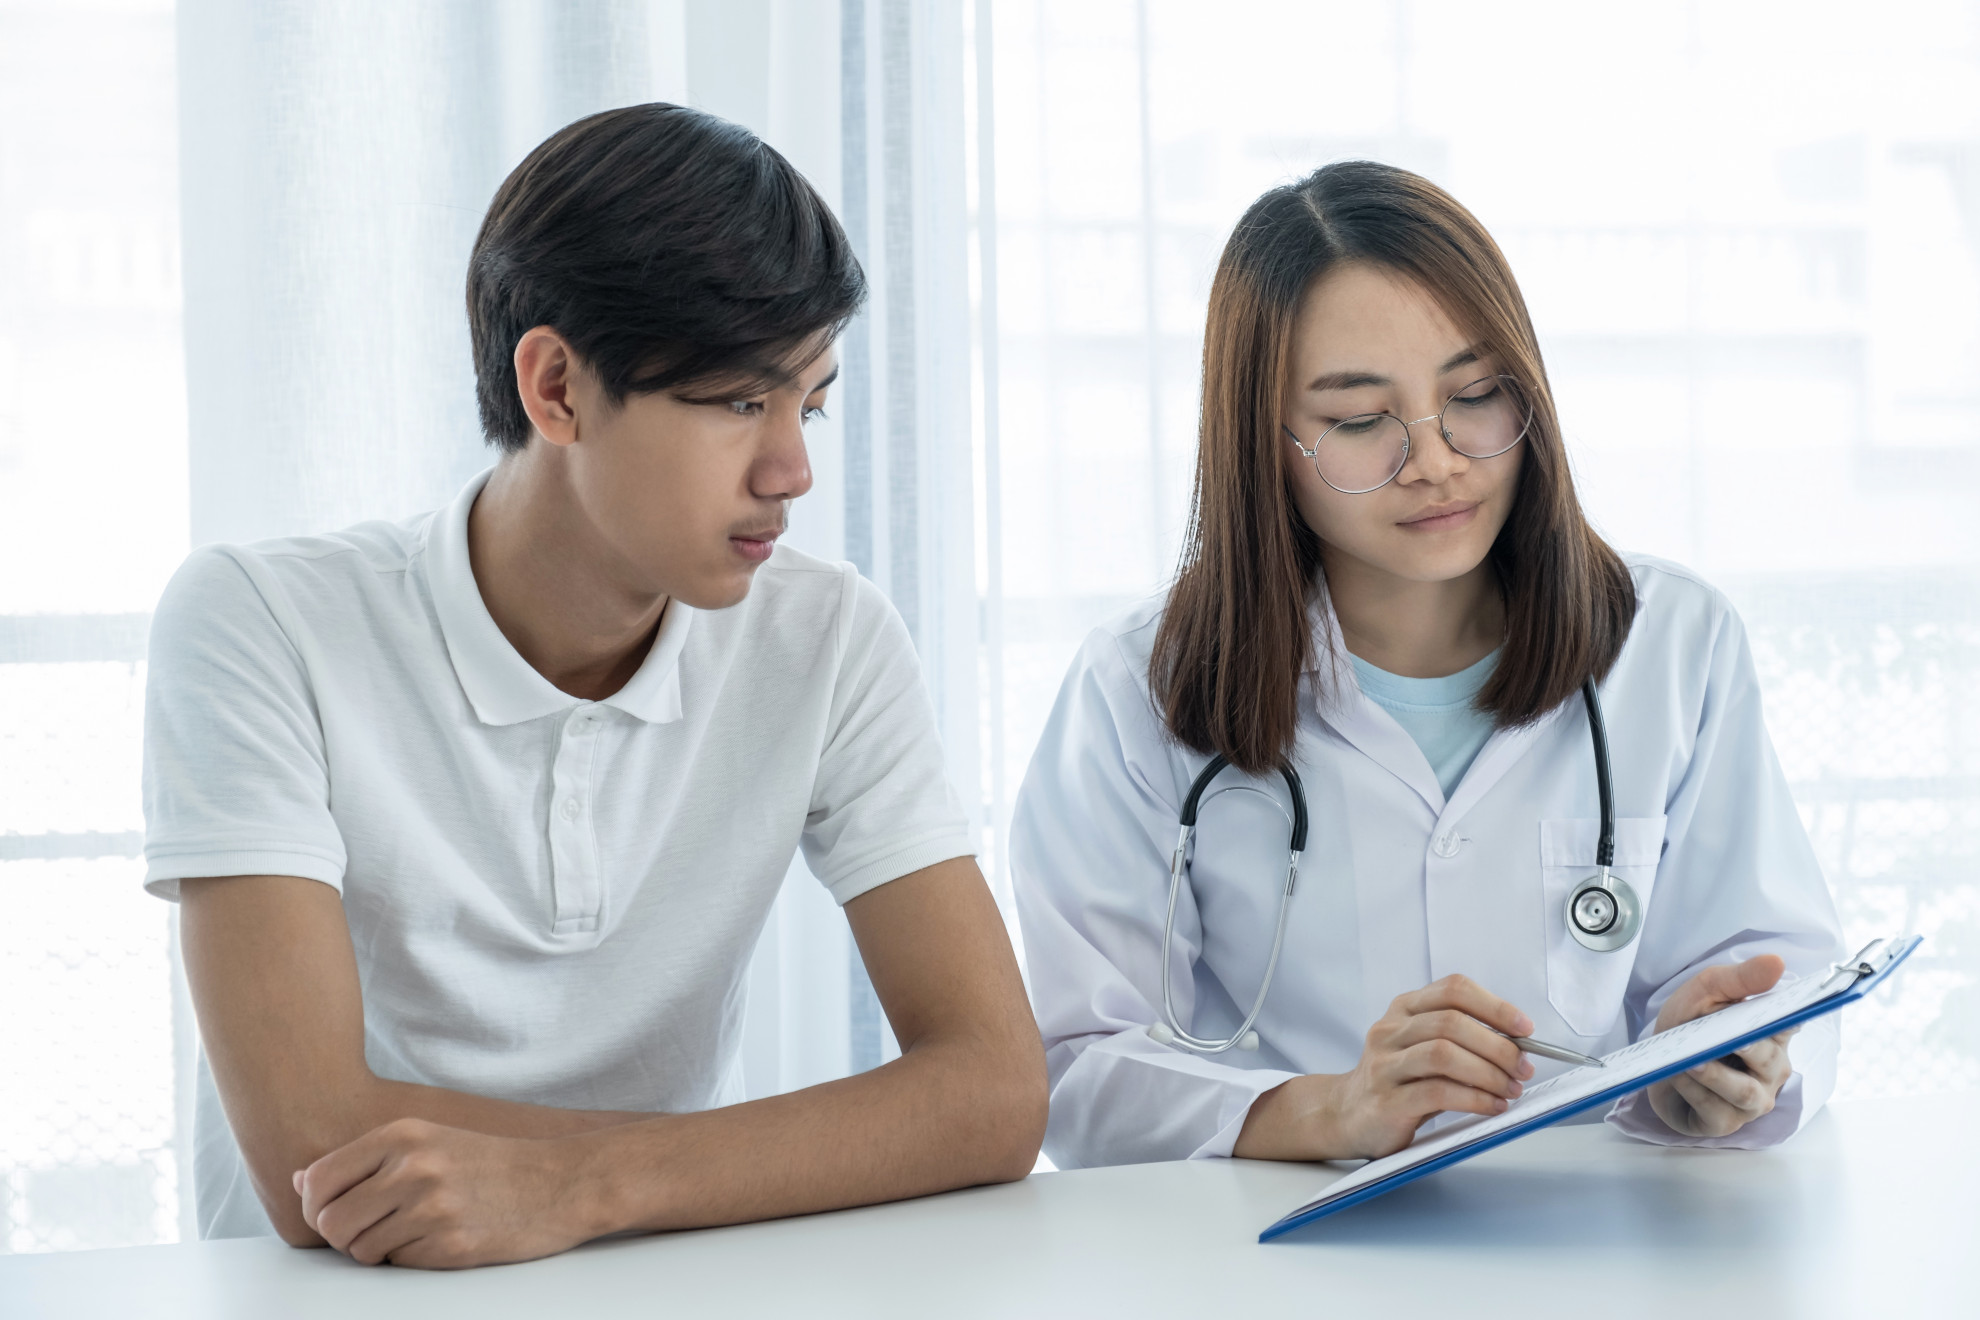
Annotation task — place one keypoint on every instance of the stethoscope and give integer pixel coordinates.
(1602, 912)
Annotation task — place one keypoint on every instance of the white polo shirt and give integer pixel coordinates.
(551, 900)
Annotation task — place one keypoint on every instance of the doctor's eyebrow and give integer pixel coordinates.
(1354, 380)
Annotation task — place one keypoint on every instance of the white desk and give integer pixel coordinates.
(1875, 1208)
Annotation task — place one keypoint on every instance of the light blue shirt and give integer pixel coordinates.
(1436, 712)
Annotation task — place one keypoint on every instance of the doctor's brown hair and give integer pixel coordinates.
(1235, 635)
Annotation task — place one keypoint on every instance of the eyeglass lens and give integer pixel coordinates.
(1482, 420)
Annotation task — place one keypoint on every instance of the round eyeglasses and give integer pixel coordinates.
(1365, 452)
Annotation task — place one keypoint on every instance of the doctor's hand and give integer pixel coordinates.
(1437, 1048)
(417, 1193)
(1719, 1098)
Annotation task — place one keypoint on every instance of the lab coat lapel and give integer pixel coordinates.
(1361, 723)
(1501, 752)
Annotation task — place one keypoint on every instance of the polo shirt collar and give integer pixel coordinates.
(499, 683)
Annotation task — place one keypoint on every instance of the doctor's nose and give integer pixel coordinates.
(1431, 457)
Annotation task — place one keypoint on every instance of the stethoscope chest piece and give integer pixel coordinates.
(1603, 913)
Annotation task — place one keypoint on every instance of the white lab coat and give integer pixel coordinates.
(1398, 886)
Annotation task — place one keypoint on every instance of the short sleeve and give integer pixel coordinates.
(235, 777)
(881, 805)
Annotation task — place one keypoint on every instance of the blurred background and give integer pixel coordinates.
(232, 243)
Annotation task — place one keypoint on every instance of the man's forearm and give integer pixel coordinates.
(965, 1104)
(942, 1116)
(479, 1113)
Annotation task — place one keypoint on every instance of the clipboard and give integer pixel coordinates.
(1649, 1060)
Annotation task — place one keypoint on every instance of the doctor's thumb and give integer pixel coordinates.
(1754, 976)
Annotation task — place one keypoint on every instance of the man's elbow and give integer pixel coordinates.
(273, 1159)
(292, 1230)
(1017, 1106)
(284, 1207)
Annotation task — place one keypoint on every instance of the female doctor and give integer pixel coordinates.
(1389, 584)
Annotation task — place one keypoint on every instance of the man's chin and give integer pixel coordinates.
(718, 591)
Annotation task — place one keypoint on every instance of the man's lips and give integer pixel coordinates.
(1439, 517)
(756, 545)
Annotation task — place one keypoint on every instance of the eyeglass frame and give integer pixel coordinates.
(1409, 437)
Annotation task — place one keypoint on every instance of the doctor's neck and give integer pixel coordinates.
(1419, 629)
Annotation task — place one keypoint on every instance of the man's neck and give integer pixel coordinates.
(1415, 629)
(560, 594)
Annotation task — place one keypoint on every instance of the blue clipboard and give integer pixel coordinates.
(1871, 968)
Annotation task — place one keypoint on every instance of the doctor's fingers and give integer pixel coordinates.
(1447, 1059)
(1466, 1031)
(1712, 1115)
(1766, 1060)
(1436, 1095)
(1742, 1090)
(1466, 996)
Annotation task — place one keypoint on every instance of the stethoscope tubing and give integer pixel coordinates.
(1598, 730)
(1178, 867)
(1170, 1030)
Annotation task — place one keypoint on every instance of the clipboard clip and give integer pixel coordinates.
(1869, 960)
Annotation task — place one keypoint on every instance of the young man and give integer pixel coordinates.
(474, 819)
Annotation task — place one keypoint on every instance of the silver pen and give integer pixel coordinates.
(1546, 1051)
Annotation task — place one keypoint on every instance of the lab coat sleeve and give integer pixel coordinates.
(1095, 823)
(1738, 878)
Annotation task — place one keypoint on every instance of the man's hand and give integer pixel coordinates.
(416, 1193)
(1719, 1098)
(1436, 1049)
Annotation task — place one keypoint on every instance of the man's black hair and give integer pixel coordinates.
(670, 247)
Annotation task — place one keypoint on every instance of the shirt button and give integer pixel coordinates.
(572, 808)
(1447, 845)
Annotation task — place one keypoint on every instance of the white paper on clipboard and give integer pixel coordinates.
(1628, 1069)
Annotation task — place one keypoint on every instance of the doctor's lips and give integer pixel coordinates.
(757, 543)
(1441, 517)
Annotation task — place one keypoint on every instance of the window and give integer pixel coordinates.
(92, 521)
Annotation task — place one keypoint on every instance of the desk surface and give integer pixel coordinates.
(1875, 1207)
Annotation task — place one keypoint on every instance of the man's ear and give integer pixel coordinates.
(546, 379)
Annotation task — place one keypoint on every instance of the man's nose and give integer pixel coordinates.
(783, 468)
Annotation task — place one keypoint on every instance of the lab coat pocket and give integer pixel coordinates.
(1584, 985)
